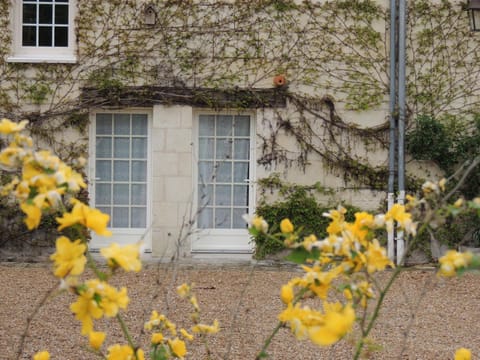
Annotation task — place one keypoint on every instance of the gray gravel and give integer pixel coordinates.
(437, 315)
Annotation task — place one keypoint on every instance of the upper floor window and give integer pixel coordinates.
(43, 31)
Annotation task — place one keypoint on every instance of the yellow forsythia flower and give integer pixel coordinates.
(403, 218)
(256, 222)
(177, 347)
(34, 214)
(183, 290)
(157, 338)
(82, 214)
(286, 294)
(194, 302)
(286, 226)
(206, 329)
(9, 127)
(96, 339)
(120, 352)
(336, 323)
(376, 257)
(348, 294)
(463, 354)
(140, 354)
(42, 355)
(69, 258)
(186, 335)
(458, 203)
(453, 260)
(97, 298)
(127, 257)
(442, 183)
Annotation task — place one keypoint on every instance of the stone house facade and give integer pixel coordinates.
(181, 107)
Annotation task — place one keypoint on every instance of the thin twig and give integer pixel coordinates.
(30, 319)
(475, 162)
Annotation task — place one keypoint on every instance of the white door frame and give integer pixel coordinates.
(122, 236)
(223, 240)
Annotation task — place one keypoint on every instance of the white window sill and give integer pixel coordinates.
(61, 59)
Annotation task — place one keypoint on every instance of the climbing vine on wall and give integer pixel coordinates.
(334, 55)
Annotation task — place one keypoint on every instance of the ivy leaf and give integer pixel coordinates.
(301, 255)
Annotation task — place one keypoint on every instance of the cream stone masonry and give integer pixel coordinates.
(327, 123)
(172, 164)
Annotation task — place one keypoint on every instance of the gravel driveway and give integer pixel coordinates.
(439, 315)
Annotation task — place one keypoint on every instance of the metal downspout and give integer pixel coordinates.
(401, 119)
(392, 145)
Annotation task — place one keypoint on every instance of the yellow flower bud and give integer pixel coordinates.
(42, 355)
(458, 203)
(348, 294)
(287, 294)
(157, 338)
(463, 354)
(286, 226)
(178, 347)
(96, 339)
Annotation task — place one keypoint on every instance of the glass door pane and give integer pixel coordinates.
(223, 189)
(121, 168)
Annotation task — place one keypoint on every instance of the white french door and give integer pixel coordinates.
(119, 175)
(224, 182)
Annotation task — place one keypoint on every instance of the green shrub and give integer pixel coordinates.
(448, 142)
(304, 212)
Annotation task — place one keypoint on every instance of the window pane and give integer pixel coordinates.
(139, 194)
(29, 36)
(44, 36)
(223, 195)
(205, 193)
(29, 14)
(139, 148)
(205, 218)
(103, 147)
(240, 171)
(103, 170)
(139, 171)
(139, 124)
(104, 124)
(61, 14)
(103, 195)
(121, 147)
(240, 195)
(242, 126)
(139, 217)
(122, 124)
(223, 148)
(206, 125)
(205, 171)
(242, 149)
(224, 125)
(223, 218)
(120, 217)
(121, 171)
(45, 13)
(238, 221)
(120, 194)
(224, 172)
(61, 36)
(205, 148)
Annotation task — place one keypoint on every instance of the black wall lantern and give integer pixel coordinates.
(473, 8)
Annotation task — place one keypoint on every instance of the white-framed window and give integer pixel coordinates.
(120, 172)
(43, 31)
(225, 173)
